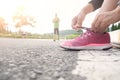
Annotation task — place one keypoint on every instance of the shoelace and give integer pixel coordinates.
(86, 34)
(88, 29)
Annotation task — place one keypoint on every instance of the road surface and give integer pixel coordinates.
(35, 59)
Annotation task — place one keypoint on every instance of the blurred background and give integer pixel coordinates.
(33, 18)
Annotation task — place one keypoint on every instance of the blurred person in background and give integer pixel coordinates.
(56, 21)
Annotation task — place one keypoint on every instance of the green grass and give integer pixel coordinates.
(35, 36)
(15, 35)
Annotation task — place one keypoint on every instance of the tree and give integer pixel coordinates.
(112, 28)
(118, 25)
(2, 25)
(21, 19)
(115, 27)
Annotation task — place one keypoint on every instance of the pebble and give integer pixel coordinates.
(56, 75)
(38, 71)
(4, 76)
(61, 78)
(32, 74)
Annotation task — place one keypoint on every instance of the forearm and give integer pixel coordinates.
(118, 8)
(87, 9)
(117, 13)
(108, 5)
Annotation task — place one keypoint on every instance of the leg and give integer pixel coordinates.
(54, 35)
(57, 31)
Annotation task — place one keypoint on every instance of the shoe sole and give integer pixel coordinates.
(103, 47)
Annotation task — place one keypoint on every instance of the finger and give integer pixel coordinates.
(103, 27)
(76, 27)
(80, 20)
(94, 28)
(96, 24)
(73, 26)
(74, 22)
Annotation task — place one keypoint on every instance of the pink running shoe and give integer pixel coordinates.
(88, 40)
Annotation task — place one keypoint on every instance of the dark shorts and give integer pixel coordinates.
(96, 3)
(56, 31)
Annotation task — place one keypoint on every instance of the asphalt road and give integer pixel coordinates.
(35, 59)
